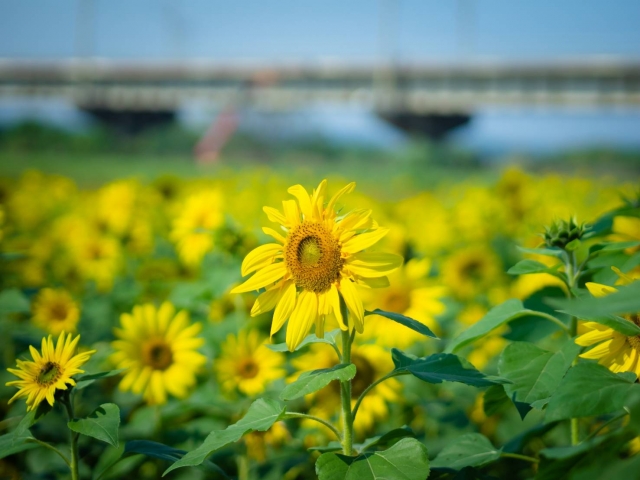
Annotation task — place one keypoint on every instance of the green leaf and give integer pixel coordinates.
(108, 459)
(468, 450)
(102, 424)
(495, 400)
(442, 366)
(611, 247)
(329, 338)
(386, 439)
(332, 446)
(625, 300)
(496, 317)
(414, 325)
(19, 439)
(406, 460)
(84, 381)
(13, 301)
(589, 389)
(573, 245)
(549, 252)
(315, 380)
(262, 414)
(535, 373)
(531, 266)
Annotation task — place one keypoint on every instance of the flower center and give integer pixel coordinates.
(247, 368)
(397, 301)
(635, 340)
(158, 355)
(49, 374)
(59, 311)
(313, 257)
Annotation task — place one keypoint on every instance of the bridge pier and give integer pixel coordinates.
(432, 125)
(131, 122)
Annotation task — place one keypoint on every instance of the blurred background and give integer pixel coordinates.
(98, 89)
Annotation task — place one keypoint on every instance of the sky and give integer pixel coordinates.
(347, 30)
(410, 30)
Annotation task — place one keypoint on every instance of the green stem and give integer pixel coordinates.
(520, 457)
(371, 387)
(243, 467)
(573, 273)
(606, 424)
(345, 393)
(551, 318)
(51, 447)
(74, 440)
(315, 419)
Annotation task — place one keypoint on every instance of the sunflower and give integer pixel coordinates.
(614, 350)
(257, 442)
(246, 364)
(193, 229)
(471, 271)
(372, 363)
(55, 311)
(158, 347)
(49, 371)
(410, 296)
(317, 260)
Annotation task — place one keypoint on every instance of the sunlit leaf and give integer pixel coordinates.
(406, 460)
(315, 380)
(468, 450)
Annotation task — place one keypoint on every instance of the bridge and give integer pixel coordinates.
(429, 97)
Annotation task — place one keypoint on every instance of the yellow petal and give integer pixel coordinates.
(329, 210)
(262, 278)
(317, 199)
(291, 213)
(266, 301)
(274, 215)
(376, 282)
(354, 304)
(284, 308)
(595, 336)
(301, 194)
(599, 351)
(373, 264)
(303, 316)
(364, 240)
(272, 233)
(599, 290)
(333, 299)
(260, 257)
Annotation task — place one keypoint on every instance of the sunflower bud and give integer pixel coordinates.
(565, 234)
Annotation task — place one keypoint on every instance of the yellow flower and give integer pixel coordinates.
(257, 442)
(614, 350)
(471, 271)
(317, 259)
(55, 311)
(247, 364)
(49, 371)
(410, 296)
(98, 258)
(159, 349)
(372, 362)
(193, 229)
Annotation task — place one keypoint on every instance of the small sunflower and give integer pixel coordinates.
(318, 259)
(471, 271)
(159, 349)
(246, 364)
(193, 229)
(257, 442)
(614, 350)
(55, 311)
(49, 371)
(372, 363)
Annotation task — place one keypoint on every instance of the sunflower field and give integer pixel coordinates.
(249, 327)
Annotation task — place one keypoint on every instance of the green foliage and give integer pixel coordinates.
(102, 424)
(531, 266)
(19, 439)
(589, 389)
(329, 338)
(534, 373)
(13, 301)
(405, 321)
(406, 460)
(262, 414)
(315, 380)
(468, 450)
(625, 300)
(442, 367)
